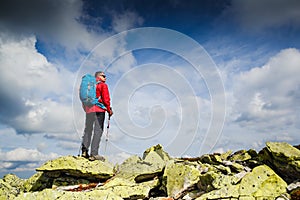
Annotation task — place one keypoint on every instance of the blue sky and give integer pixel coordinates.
(196, 76)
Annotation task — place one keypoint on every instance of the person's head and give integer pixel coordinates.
(100, 76)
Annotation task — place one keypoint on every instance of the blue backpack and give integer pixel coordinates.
(87, 91)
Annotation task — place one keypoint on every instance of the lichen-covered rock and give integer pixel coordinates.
(10, 186)
(129, 189)
(235, 167)
(14, 181)
(213, 159)
(241, 155)
(78, 167)
(158, 149)
(241, 175)
(49, 194)
(138, 169)
(283, 158)
(7, 191)
(206, 180)
(224, 156)
(262, 182)
(229, 192)
(222, 181)
(136, 176)
(283, 151)
(37, 182)
(180, 176)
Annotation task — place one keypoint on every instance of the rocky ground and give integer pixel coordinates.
(272, 173)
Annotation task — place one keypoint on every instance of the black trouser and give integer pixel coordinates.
(93, 121)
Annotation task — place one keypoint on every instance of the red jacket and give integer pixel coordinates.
(103, 93)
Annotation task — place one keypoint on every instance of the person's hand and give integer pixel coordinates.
(110, 113)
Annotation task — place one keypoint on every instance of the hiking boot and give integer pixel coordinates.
(96, 157)
(85, 152)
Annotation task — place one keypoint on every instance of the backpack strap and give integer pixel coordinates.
(101, 105)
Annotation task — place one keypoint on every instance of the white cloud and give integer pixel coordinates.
(267, 97)
(23, 160)
(26, 155)
(65, 29)
(127, 20)
(51, 21)
(23, 67)
(34, 92)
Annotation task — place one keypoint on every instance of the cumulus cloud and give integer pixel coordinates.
(267, 97)
(21, 159)
(26, 155)
(51, 21)
(34, 92)
(258, 15)
(64, 28)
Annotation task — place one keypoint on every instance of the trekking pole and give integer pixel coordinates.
(106, 139)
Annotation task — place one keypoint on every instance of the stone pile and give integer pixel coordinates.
(272, 173)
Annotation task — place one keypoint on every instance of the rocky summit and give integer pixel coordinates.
(272, 173)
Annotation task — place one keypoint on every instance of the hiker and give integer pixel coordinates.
(94, 120)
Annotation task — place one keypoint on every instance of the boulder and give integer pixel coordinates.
(136, 176)
(206, 180)
(213, 159)
(77, 167)
(242, 175)
(234, 167)
(10, 186)
(224, 156)
(128, 189)
(49, 194)
(37, 182)
(261, 183)
(214, 178)
(229, 192)
(222, 181)
(239, 156)
(7, 191)
(146, 168)
(283, 158)
(14, 181)
(180, 176)
(158, 149)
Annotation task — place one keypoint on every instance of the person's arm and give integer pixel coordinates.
(106, 98)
